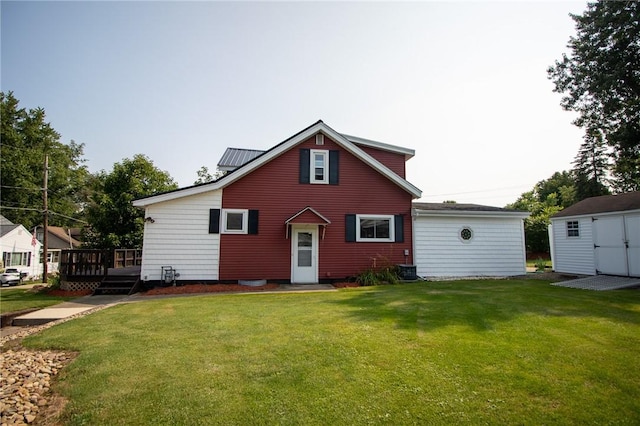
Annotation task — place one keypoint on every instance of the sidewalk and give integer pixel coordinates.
(66, 309)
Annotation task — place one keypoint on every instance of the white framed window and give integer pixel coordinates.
(573, 228)
(319, 166)
(234, 221)
(375, 228)
(16, 259)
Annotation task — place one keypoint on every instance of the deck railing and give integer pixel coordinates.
(123, 258)
(84, 263)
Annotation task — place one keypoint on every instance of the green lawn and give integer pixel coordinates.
(17, 299)
(474, 352)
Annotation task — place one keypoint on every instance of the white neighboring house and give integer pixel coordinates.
(468, 240)
(598, 235)
(19, 249)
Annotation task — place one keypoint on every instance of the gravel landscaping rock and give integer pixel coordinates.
(25, 375)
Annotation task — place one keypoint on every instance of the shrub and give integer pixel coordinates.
(385, 274)
(540, 264)
(54, 281)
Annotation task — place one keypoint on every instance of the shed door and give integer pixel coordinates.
(632, 228)
(617, 245)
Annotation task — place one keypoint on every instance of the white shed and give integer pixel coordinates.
(598, 235)
(464, 240)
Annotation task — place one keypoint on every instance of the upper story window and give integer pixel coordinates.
(319, 166)
(234, 221)
(375, 228)
(573, 228)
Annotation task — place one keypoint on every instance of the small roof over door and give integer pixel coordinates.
(307, 216)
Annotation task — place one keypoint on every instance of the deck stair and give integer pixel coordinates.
(118, 284)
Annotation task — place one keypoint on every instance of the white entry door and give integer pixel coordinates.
(304, 254)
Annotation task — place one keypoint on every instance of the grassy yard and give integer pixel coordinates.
(17, 299)
(475, 352)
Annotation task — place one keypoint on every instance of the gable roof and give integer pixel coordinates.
(603, 204)
(276, 151)
(308, 215)
(5, 229)
(460, 209)
(5, 221)
(63, 235)
(407, 152)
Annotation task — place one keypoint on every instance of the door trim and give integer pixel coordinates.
(313, 229)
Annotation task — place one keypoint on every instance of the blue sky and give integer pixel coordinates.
(462, 83)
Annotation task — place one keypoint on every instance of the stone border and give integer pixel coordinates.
(25, 379)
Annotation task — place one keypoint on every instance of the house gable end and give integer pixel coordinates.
(276, 151)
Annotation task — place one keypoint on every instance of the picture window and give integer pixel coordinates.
(374, 228)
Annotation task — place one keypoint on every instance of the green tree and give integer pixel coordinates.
(204, 176)
(547, 197)
(26, 139)
(114, 222)
(600, 80)
(590, 166)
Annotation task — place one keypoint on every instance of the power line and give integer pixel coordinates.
(22, 187)
(41, 211)
(68, 217)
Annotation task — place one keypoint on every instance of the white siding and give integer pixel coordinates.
(19, 240)
(179, 237)
(573, 255)
(496, 249)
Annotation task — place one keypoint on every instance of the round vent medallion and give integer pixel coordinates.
(466, 234)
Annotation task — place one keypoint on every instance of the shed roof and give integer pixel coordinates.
(603, 204)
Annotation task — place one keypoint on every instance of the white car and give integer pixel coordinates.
(11, 276)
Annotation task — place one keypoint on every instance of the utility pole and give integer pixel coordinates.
(45, 220)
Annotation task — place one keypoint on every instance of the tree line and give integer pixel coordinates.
(599, 79)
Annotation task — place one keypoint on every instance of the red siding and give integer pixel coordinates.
(395, 162)
(273, 189)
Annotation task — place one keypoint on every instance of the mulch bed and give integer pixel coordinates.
(207, 288)
(346, 285)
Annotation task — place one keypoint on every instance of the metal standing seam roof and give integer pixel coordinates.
(603, 204)
(236, 157)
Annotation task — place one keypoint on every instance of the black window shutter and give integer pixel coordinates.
(253, 222)
(305, 172)
(350, 228)
(214, 221)
(334, 167)
(399, 228)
